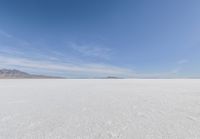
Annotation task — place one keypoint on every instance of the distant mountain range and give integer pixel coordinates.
(17, 74)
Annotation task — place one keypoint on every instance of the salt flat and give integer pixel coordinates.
(100, 109)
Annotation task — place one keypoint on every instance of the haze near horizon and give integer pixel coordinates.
(92, 38)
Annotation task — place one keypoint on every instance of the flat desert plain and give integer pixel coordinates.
(100, 109)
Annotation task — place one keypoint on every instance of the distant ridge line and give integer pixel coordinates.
(17, 74)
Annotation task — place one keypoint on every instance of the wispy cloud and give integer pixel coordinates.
(175, 70)
(179, 66)
(72, 68)
(10, 51)
(5, 34)
(12, 56)
(182, 61)
(93, 69)
(19, 55)
(12, 40)
(92, 50)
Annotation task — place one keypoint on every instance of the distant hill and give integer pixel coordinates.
(17, 74)
(113, 77)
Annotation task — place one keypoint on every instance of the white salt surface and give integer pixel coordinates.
(100, 109)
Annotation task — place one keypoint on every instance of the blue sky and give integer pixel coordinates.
(97, 38)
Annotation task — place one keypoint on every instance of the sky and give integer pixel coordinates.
(100, 38)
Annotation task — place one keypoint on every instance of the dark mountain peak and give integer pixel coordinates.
(15, 74)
